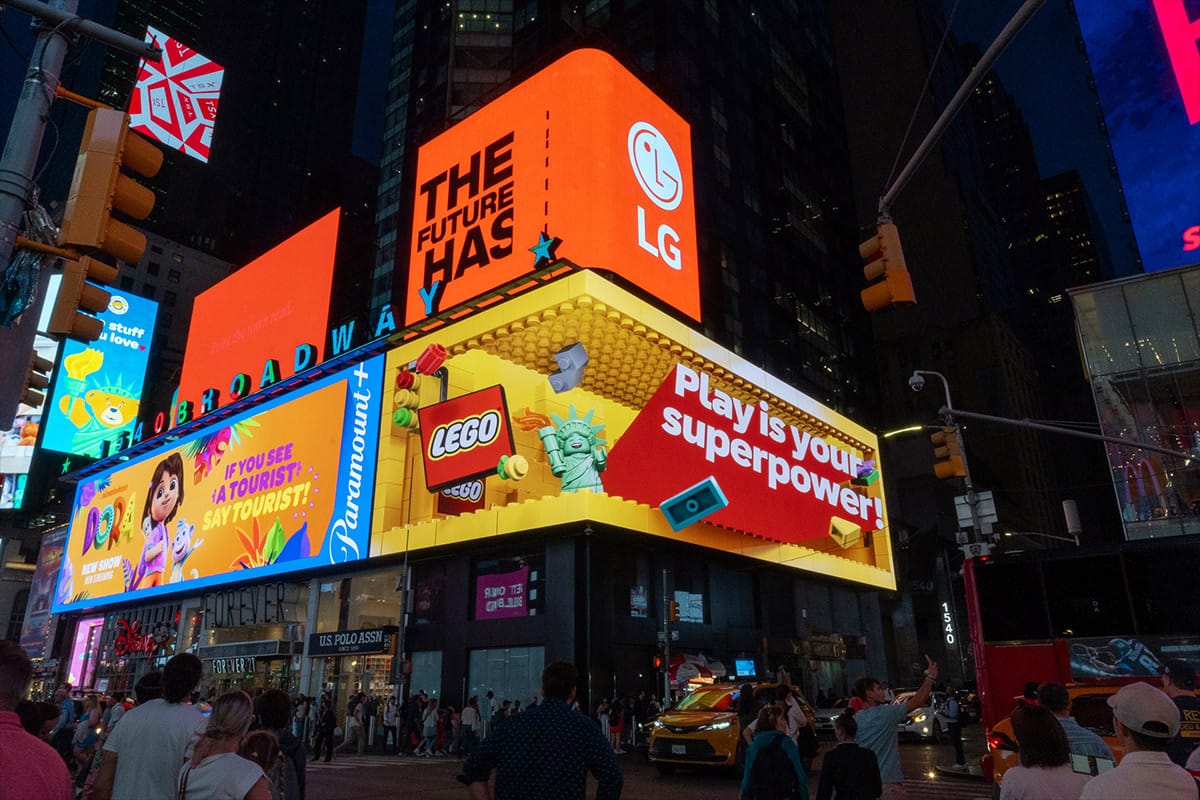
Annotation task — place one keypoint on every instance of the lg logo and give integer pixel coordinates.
(658, 173)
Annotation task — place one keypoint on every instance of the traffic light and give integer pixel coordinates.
(672, 611)
(885, 259)
(98, 188)
(948, 453)
(77, 295)
(660, 656)
(36, 380)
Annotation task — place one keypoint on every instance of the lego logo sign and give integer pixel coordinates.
(463, 439)
(582, 152)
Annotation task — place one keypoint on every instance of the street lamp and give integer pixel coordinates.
(916, 382)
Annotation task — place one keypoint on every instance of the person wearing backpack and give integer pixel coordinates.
(773, 769)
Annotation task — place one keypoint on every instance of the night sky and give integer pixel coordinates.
(1047, 76)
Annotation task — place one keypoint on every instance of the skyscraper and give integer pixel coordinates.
(779, 277)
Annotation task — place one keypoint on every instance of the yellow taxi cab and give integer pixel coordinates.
(1089, 707)
(703, 728)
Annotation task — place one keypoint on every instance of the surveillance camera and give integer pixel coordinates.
(916, 383)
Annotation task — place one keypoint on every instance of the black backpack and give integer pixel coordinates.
(773, 776)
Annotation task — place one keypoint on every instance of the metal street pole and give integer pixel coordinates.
(947, 413)
(981, 68)
(19, 159)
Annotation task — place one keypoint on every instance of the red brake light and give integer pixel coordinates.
(999, 741)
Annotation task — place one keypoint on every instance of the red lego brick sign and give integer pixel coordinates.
(463, 438)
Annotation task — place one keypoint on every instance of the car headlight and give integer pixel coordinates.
(919, 718)
(716, 726)
(657, 724)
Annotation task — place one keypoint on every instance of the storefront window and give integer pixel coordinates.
(365, 602)
(512, 586)
(427, 672)
(510, 673)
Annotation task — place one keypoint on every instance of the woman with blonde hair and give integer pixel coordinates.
(215, 771)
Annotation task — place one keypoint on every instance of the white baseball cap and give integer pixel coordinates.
(1147, 710)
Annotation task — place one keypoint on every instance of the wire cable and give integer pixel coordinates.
(924, 89)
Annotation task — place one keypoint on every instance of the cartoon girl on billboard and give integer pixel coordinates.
(162, 502)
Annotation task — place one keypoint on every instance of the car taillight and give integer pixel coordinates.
(999, 741)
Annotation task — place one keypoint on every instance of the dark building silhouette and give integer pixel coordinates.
(779, 271)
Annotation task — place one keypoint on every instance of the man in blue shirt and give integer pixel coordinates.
(545, 752)
(878, 724)
(1080, 740)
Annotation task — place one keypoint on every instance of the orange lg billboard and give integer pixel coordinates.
(582, 161)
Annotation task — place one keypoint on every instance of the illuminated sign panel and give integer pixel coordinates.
(286, 486)
(583, 158)
(175, 100)
(260, 314)
(782, 483)
(37, 631)
(1147, 68)
(464, 438)
(98, 388)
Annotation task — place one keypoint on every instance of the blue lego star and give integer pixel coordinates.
(543, 251)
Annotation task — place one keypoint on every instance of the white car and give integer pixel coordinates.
(828, 713)
(927, 721)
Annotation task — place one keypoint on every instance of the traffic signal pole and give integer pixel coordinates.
(981, 68)
(19, 159)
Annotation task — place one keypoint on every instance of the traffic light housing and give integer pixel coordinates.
(98, 188)
(660, 656)
(884, 258)
(948, 454)
(78, 298)
(37, 379)
(672, 611)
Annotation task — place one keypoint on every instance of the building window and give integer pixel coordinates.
(168, 298)
(173, 276)
(429, 593)
(509, 673)
(127, 283)
(148, 290)
(152, 267)
(512, 586)
(631, 585)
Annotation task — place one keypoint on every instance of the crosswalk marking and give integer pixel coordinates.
(358, 762)
(948, 790)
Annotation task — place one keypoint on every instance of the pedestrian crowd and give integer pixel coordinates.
(161, 743)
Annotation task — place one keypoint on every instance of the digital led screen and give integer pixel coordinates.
(175, 100)
(36, 633)
(600, 174)
(261, 312)
(282, 487)
(1146, 65)
(98, 385)
(782, 482)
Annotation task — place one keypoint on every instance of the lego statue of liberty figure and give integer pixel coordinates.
(575, 452)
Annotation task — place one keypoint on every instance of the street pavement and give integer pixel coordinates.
(376, 777)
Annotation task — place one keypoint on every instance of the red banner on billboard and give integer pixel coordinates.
(463, 438)
(782, 483)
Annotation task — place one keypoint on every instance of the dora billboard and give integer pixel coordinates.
(265, 492)
(582, 161)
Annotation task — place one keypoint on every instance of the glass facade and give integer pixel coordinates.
(1141, 349)
(509, 673)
